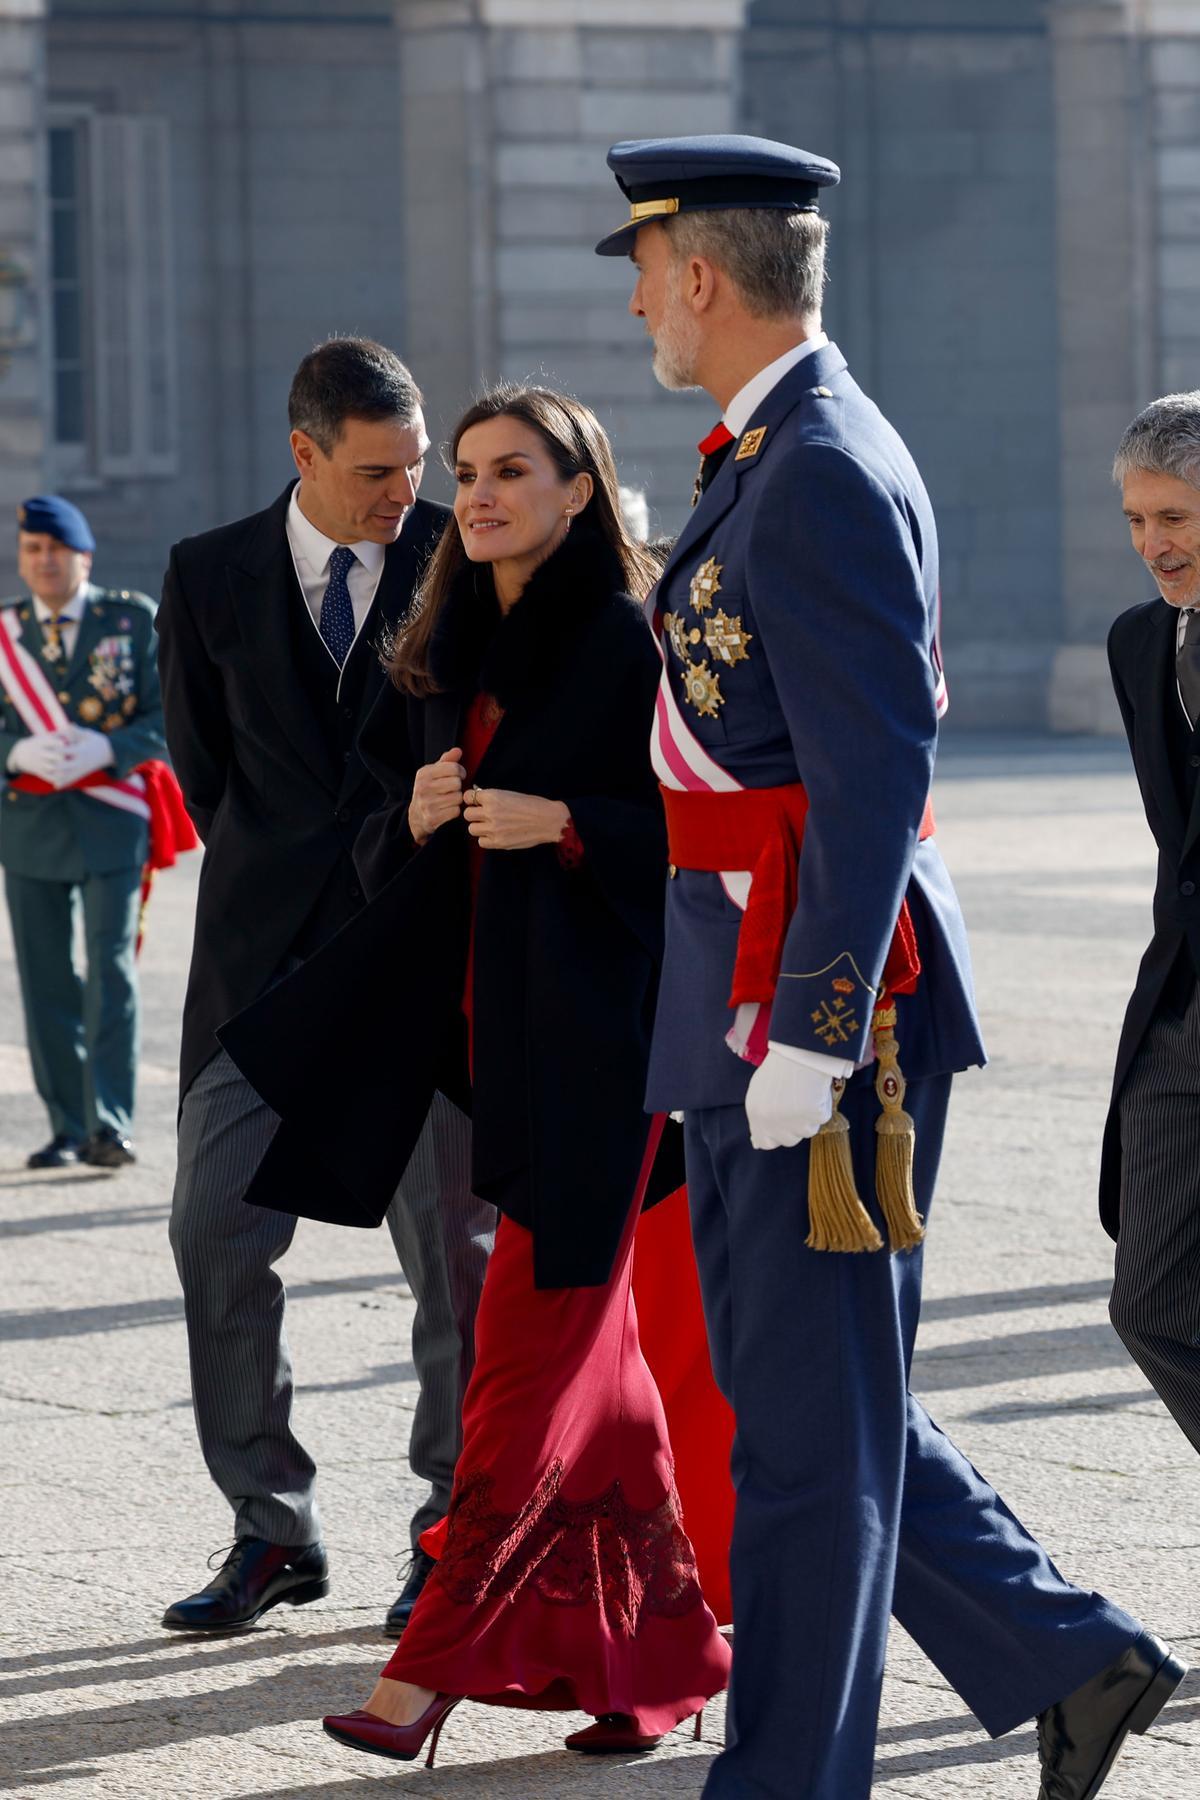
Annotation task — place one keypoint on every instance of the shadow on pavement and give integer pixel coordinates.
(78, 1321)
(169, 1654)
(966, 1306)
(1018, 1356)
(84, 1221)
(1011, 1412)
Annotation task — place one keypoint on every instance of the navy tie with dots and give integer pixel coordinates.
(337, 614)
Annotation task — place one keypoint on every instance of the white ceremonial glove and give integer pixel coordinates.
(786, 1102)
(86, 752)
(41, 755)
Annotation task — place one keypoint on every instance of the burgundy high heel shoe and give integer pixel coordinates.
(364, 1731)
(616, 1734)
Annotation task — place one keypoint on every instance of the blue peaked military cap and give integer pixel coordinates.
(663, 176)
(57, 518)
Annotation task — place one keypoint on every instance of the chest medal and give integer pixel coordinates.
(702, 689)
(705, 585)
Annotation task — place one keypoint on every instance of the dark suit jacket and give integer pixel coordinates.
(1166, 758)
(565, 958)
(262, 736)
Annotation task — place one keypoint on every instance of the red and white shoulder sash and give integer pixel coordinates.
(38, 707)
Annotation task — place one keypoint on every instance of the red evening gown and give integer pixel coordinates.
(565, 1579)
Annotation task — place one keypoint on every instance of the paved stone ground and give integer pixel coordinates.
(106, 1513)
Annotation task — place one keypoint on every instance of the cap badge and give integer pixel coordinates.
(652, 209)
(751, 444)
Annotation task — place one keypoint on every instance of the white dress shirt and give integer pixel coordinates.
(311, 551)
(68, 619)
(748, 399)
(1181, 625)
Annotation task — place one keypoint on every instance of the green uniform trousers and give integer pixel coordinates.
(82, 1031)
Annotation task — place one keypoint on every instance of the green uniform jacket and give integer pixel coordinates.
(109, 684)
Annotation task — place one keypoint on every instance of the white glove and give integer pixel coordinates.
(86, 752)
(41, 755)
(786, 1101)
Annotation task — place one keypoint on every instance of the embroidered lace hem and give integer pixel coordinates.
(600, 1552)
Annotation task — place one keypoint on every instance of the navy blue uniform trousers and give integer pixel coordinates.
(851, 1503)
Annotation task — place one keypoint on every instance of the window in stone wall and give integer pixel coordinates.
(66, 178)
(113, 314)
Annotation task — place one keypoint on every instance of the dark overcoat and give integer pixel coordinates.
(566, 958)
(262, 732)
(1166, 758)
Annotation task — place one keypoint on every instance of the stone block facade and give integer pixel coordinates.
(1015, 253)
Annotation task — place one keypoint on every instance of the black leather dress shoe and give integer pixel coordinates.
(254, 1577)
(401, 1612)
(1080, 1738)
(107, 1149)
(60, 1151)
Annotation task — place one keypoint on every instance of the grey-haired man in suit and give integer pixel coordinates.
(1150, 1170)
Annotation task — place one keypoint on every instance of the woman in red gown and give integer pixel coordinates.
(514, 748)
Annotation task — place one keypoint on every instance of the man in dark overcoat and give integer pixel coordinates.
(269, 635)
(1150, 1169)
(811, 926)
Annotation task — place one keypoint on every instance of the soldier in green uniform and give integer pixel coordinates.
(79, 711)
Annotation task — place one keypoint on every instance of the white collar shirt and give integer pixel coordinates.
(748, 399)
(1181, 625)
(311, 551)
(69, 619)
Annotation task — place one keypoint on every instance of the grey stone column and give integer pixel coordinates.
(1127, 76)
(508, 107)
(24, 375)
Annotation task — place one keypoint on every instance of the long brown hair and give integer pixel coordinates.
(577, 444)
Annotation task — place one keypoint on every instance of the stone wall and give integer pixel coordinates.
(284, 148)
(942, 287)
(23, 389)
(523, 98)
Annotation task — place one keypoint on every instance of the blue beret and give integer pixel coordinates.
(662, 176)
(58, 518)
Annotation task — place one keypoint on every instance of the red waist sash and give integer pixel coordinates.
(762, 829)
(171, 828)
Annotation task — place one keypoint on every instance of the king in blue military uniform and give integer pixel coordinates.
(813, 940)
(79, 712)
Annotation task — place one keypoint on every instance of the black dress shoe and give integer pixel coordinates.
(254, 1577)
(60, 1151)
(107, 1149)
(401, 1612)
(1080, 1738)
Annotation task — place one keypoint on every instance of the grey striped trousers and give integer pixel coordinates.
(1155, 1305)
(234, 1302)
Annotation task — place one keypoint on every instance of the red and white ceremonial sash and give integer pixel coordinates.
(681, 762)
(683, 765)
(25, 682)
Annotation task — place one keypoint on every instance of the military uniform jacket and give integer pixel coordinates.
(109, 683)
(799, 617)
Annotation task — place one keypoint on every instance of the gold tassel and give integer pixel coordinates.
(837, 1218)
(897, 1138)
